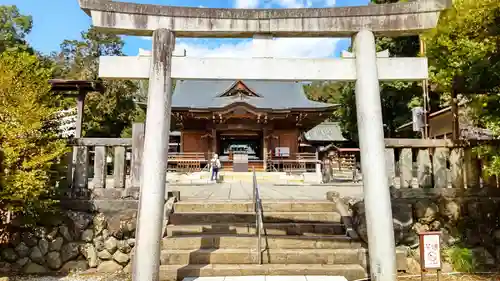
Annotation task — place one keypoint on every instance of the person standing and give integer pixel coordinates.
(215, 165)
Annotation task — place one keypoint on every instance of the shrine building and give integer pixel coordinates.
(270, 125)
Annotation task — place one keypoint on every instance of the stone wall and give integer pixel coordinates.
(470, 218)
(98, 234)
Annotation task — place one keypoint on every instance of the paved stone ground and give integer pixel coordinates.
(243, 191)
(268, 278)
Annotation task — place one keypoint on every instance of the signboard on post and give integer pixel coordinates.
(430, 251)
(418, 118)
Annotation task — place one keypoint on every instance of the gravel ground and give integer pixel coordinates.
(73, 277)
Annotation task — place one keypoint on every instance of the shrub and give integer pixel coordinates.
(461, 258)
(29, 145)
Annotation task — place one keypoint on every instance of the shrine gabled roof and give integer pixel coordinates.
(269, 95)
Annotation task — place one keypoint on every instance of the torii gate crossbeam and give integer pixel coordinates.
(165, 23)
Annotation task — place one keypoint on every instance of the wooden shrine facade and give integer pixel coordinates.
(263, 121)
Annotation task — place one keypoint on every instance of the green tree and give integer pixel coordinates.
(397, 98)
(30, 150)
(109, 114)
(464, 54)
(14, 27)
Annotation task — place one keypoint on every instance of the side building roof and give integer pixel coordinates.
(325, 132)
(269, 95)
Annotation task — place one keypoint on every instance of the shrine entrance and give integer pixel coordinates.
(364, 66)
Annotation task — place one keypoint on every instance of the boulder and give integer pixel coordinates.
(402, 220)
(104, 255)
(111, 244)
(496, 235)
(80, 221)
(65, 233)
(69, 251)
(482, 256)
(43, 245)
(54, 260)
(426, 211)
(98, 243)
(109, 267)
(22, 262)
(53, 234)
(36, 255)
(33, 268)
(22, 250)
(87, 235)
(56, 244)
(9, 255)
(74, 266)
(122, 224)
(450, 210)
(100, 223)
(89, 252)
(121, 258)
(124, 247)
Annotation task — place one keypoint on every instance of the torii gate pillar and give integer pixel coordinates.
(371, 140)
(154, 168)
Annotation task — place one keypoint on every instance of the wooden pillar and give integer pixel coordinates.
(454, 110)
(264, 149)
(214, 142)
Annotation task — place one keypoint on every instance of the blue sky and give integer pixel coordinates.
(63, 19)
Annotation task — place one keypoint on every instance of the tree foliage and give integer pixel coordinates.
(14, 27)
(111, 113)
(464, 54)
(31, 149)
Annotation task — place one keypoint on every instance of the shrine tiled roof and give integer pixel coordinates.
(325, 132)
(211, 94)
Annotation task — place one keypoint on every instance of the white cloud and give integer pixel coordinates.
(280, 47)
(246, 4)
(330, 3)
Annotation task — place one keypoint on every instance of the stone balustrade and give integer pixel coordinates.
(438, 163)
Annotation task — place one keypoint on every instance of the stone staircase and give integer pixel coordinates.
(218, 239)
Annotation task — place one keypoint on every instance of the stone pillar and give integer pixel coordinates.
(153, 177)
(371, 141)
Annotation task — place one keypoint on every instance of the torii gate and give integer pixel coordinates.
(165, 23)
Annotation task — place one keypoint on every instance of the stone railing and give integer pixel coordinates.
(437, 163)
(91, 161)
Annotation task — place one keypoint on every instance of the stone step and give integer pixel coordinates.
(309, 229)
(247, 206)
(271, 217)
(209, 241)
(270, 256)
(178, 272)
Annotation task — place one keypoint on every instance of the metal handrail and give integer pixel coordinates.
(259, 217)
